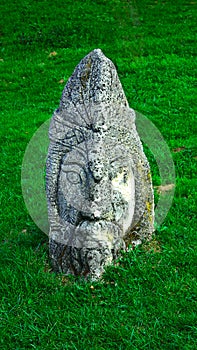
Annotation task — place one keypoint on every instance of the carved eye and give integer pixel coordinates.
(73, 177)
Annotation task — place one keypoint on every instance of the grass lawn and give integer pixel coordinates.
(148, 300)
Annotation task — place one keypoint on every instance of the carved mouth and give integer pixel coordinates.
(99, 226)
(91, 217)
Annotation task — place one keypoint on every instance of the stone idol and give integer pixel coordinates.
(98, 181)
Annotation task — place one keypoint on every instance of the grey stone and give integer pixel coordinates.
(98, 182)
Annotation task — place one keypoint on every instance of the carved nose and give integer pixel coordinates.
(96, 169)
(92, 193)
(93, 186)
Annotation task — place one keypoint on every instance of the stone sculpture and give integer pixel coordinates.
(98, 181)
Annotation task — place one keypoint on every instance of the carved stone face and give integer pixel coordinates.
(95, 186)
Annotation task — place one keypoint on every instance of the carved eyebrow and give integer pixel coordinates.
(73, 163)
(113, 160)
(75, 168)
(117, 158)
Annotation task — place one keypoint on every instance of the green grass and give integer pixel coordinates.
(148, 300)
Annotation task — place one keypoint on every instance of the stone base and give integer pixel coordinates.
(87, 262)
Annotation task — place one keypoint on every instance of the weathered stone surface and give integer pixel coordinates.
(99, 188)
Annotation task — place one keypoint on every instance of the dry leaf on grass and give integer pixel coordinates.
(164, 188)
(61, 81)
(154, 246)
(23, 231)
(52, 54)
(178, 149)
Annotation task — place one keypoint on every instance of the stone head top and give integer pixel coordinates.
(98, 179)
(93, 99)
(95, 81)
